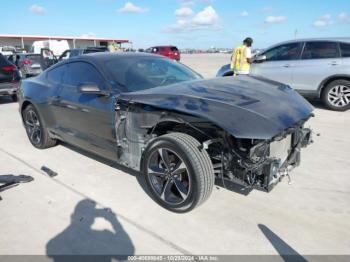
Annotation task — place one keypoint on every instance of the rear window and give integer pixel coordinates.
(4, 61)
(320, 50)
(34, 58)
(345, 49)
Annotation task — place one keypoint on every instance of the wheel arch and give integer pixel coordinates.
(24, 105)
(330, 79)
(174, 123)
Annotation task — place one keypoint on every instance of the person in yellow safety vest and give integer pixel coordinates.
(242, 58)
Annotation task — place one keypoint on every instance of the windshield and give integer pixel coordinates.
(131, 74)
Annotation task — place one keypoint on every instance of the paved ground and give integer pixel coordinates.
(56, 215)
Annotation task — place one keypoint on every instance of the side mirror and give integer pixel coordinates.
(260, 59)
(90, 88)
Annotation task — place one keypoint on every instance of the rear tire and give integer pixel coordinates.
(336, 95)
(36, 130)
(179, 175)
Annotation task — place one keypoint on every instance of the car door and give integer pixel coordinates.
(47, 58)
(319, 60)
(87, 118)
(278, 62)
(345, 58)
(65, 55)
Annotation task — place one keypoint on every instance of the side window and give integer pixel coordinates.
(81, 72)
(290, 51)
(65, 55)
(11, 59)
(345, 49)
(320, 50)
(56, 75)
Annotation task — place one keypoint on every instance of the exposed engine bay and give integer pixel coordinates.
(252, 163)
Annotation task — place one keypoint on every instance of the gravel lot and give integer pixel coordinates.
(56, 215)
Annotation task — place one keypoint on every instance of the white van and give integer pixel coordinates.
(56, 46)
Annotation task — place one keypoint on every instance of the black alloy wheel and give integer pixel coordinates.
(179, 175)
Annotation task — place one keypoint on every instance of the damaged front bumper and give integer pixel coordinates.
(279, 168)
(265, 163)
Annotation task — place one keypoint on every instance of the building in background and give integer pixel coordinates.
(25, 42)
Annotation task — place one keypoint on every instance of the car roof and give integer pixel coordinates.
(333, 39)
(99, 58)
(162, 46)
(105, 56)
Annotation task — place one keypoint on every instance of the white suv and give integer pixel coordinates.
(314, 67)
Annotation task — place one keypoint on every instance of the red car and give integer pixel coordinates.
(169, 51)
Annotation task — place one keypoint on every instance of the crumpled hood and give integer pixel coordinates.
(244, 106)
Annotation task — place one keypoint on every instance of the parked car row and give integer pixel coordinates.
(9, 78)
(171, 52)
(28, 63)
(318, 68)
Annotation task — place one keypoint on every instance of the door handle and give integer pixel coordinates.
(286, 65)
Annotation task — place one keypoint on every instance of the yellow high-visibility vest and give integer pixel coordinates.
(239, 59)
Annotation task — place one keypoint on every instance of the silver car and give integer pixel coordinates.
(29, 64)
(314, 67)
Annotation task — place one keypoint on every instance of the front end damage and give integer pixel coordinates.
(258, 164)
(250, 163)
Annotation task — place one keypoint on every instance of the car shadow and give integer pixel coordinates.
(317, 103)
(234, 187)
(79, 241)
(138, 175)
(6, 100)
(284, 250)
(141, 178)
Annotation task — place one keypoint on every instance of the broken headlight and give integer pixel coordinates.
(258, 152)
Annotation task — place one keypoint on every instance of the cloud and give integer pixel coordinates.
(131, 8)
(205, 19)
(275, 19)
(323, 21)
(343, 17)
(37, 9)
(183, 12)
(244, 13)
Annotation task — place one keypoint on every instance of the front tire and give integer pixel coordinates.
(179, 175)
(336, 95)
(35, 128)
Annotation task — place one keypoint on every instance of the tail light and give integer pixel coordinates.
(26, 62)
(8, 69)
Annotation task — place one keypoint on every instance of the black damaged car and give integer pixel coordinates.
(161, 118)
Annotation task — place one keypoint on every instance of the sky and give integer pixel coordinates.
(185, 23)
